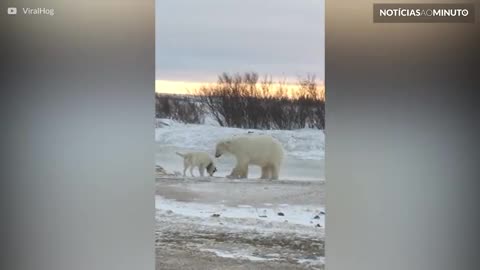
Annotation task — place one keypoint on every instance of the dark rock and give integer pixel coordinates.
(281, 214)
(316, 217)
(216, 215)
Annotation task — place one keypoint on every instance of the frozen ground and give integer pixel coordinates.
(219, 223)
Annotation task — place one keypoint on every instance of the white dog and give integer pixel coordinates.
(201, 160)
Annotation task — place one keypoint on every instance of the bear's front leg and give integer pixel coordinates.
(234, 174)
(239, 172)
(242, 168)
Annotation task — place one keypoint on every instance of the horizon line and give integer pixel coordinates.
(184, 87)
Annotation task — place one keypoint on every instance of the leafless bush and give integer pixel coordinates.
(180, 108)
(245, 101)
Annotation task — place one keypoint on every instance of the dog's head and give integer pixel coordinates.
(222, 148)
(211, 169)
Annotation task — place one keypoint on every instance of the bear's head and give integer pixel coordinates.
(222, 148)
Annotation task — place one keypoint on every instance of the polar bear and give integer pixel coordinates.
(262, 150)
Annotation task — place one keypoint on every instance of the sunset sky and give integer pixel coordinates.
(198, 40)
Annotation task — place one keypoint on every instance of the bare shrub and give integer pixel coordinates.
(245, 101)
(241, 100)
(181, 108)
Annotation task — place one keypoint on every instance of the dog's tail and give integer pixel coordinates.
(180, 154)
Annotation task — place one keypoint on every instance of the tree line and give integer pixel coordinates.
(245, 101)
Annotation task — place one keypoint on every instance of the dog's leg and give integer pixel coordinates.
(185, 167)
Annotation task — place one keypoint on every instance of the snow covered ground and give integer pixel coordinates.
(244, 223)
(304, 144)
(304, 148)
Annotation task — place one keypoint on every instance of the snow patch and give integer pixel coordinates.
(238, 254)
(267, 216)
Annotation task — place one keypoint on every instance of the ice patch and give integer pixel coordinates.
(295, 215)
(245, 254)
(313, 262)
(238, 254)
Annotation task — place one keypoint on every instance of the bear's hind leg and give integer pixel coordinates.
(274, 172)
(265, 172)
(244, 172)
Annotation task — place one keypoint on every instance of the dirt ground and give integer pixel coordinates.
(175, 259)
(185, 241)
